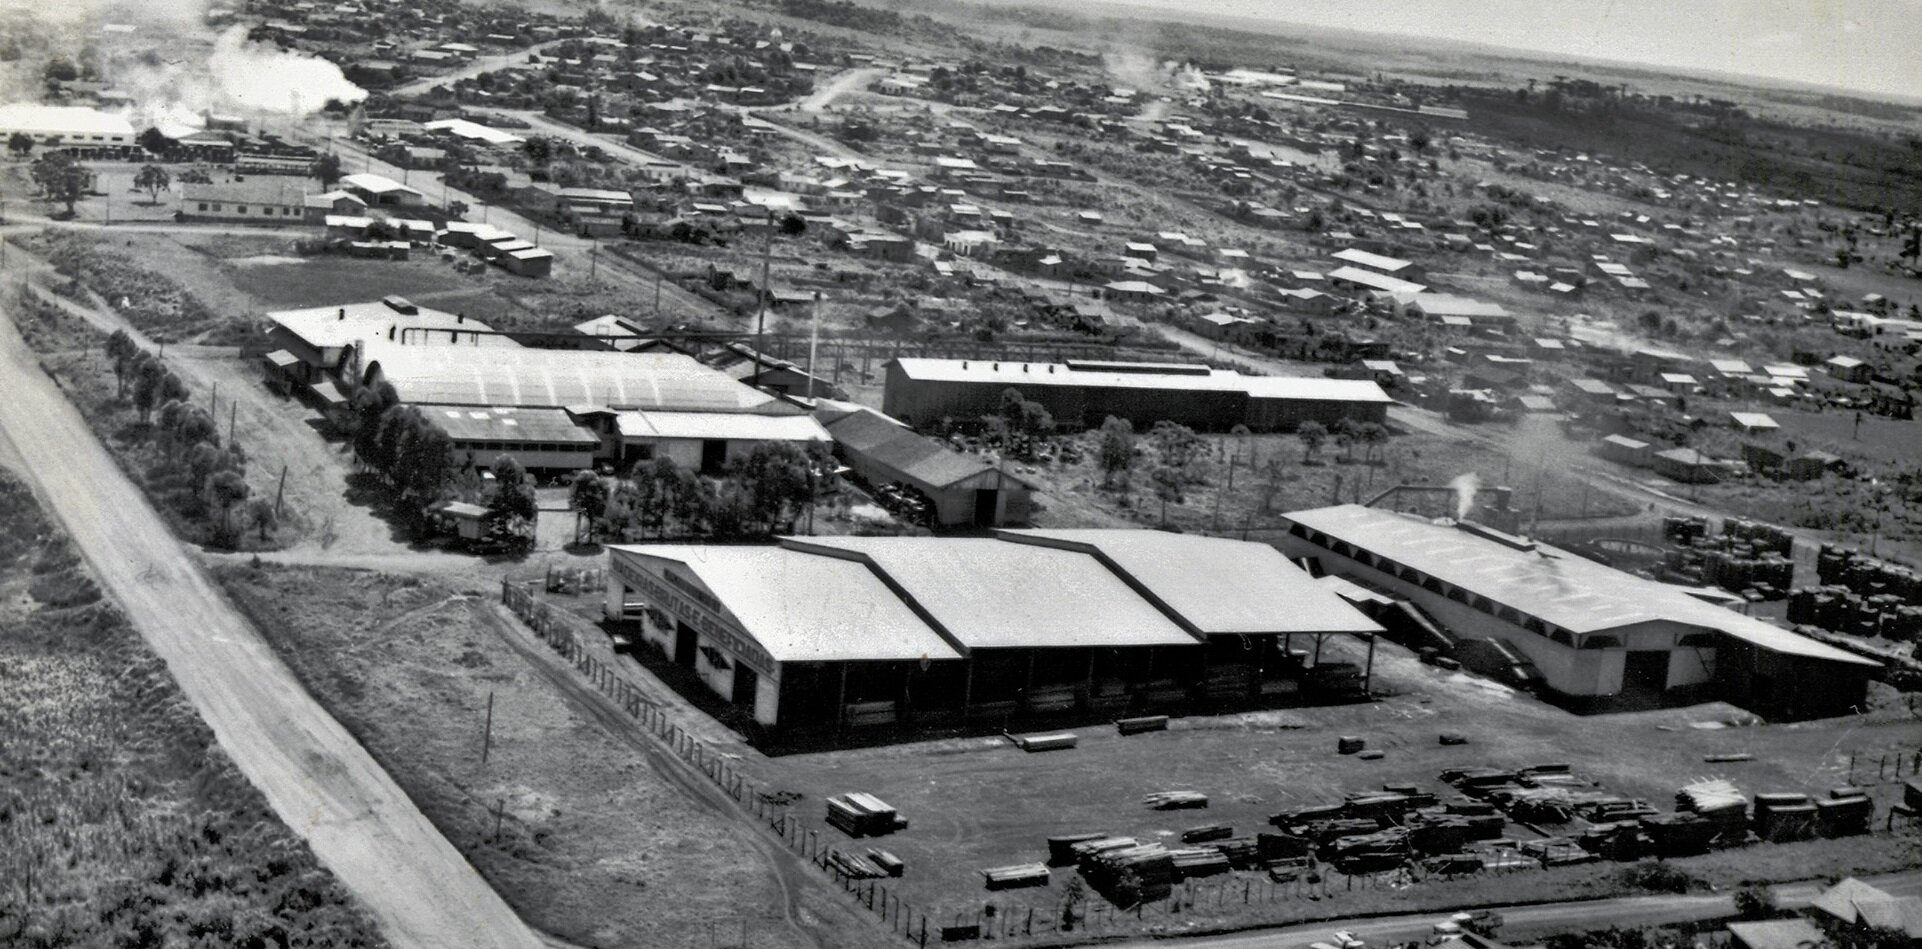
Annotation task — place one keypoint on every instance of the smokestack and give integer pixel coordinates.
(343, 313)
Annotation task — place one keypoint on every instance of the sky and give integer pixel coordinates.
(1872, 46)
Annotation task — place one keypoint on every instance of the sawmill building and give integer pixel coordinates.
(1083, 393)
(846, 632)
(1598, 636)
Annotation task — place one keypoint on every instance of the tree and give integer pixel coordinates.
(260, 515)
(62, 179)
(775, 483)
(457, 209)
(1419, 140)
(121, 349)
(1167, 482)
(1372, 435)
(1180, 447)
(154, 385)
(224, 490)
(195, 176)
(325, 169)
(538, 149)
(1117, 452)
(588, 497)
(513, 492)
(155, 141)
(425, 462)
(1313, 435)
(19, 143)
(153, 179)
(1755, 902)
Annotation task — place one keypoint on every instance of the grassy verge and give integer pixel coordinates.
(121, 821)
(566, 818)
(72, 351)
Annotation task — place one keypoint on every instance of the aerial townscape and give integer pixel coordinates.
(852, 474)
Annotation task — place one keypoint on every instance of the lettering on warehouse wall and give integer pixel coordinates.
(678, 599)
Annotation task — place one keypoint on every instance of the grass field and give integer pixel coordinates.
(1258, 496)
(283, 283)
(121, 821)
(594, 844)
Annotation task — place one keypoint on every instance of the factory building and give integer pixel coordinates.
(66, 126)
(1599, 637)
(551, 409)
(1083, 393)
(966, 490)
(842, 632)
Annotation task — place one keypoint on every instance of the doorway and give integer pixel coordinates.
(1646, 671)
(685, 640)
(745, 683)
(986, 500)
(713, 455)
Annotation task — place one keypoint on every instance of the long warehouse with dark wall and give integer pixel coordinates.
(1082, 393)
(965, 490)
(1599, 637)
(843, 632)
(551, 409)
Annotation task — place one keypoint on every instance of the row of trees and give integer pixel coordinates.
(192, 471)
(766, 492)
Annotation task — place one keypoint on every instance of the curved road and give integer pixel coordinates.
(313, 773)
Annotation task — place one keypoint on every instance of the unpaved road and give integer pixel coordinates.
(312, 772)
(1524, 921)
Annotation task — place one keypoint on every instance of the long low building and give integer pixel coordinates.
(1598, 636)
(966, 490)
(827, 632)
(1084, 393)
(551, 409)
(66, 125)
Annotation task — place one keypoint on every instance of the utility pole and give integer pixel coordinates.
(760, 319)
(814, 340)
(657, 293)
(487, 737)
(593, 260)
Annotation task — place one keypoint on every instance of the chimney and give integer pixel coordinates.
(460, 317)
(964, 364)
(1024, 367)
(390, 332)
(343, 313)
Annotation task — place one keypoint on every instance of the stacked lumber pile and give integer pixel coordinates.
(863, 815)
(1143, 723)
(1194, 862)
(1679, 834)
(1719, 802)
(1061, 848)
(1207, 832)
(1784, 816)
(1056, 742)
(1242, 853)
(1087, 849)
(1282, 846)
(1017, 876)
(1175, 800)
(1846, 812)
(894, 866)
(856, 866)
(1149, 867)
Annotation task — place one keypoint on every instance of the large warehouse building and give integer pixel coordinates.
(965, 490)
(1598, 636)
(1084, 393)
(826, 632)
(66, 125)
(551, 409)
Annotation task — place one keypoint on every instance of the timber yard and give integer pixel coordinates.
(802, 474)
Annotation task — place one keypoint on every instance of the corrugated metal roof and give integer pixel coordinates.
(743, 426)
(510, 375)
(1315, 389)
(469, 424)
(992, 594)
(330, 327)
(1218, 585)
(1559, 587)
(804, 607)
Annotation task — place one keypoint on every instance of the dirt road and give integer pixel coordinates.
(1526, 921)
(312, 772)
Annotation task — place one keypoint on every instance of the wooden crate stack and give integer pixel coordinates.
(1846, 812)
(1719, 802)
(1151, 867)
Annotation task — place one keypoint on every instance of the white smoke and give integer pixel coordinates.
(1190, 79)
(1465, 487)
(259, 78)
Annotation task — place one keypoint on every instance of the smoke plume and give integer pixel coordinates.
(1465, 487)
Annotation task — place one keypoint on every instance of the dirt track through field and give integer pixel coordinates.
(312, 772)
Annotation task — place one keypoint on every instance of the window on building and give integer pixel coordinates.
(240, 209)
(203, 205)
